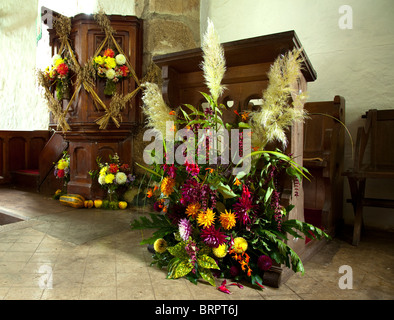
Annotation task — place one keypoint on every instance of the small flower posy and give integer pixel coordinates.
(62, 167)
(113, 175)
(111, 67)
(58, 74)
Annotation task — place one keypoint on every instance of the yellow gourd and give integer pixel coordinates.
(98, 203)
(122, 204)
(72, 200)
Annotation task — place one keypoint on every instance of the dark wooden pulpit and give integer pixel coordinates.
(248, 62)
(86, 140)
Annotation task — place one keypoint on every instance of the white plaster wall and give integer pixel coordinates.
(21, 104)
(356, 63)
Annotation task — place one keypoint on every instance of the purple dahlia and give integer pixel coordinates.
(213, 237)
(264, 263)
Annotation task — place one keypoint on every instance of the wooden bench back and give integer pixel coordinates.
(378, 133)
(321, 130)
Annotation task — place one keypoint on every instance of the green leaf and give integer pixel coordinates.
(208, 98)
(243, 125)
(149, 170)
(185, 115)
(182, 269)
(179, 250)
(256, 279)
(206, 274)
(226, 191)
(207, 262)
(172, 266)
(268, 194)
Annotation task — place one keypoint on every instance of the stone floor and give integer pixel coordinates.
(58, 252)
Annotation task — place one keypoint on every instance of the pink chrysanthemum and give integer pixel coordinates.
(185, 229)
(213, 237)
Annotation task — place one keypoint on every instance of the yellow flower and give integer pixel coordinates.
(160, 245)
(227, 220)
(58, 61)
(109, 178)
(240, 245)
(110, 63)
(167, 186)
(193, 209)
(221, 251)
(62, 164)
(99, 60)
(103, 171)
(206, 219)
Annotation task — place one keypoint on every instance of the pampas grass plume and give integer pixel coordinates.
(155, 109)
(214, 63)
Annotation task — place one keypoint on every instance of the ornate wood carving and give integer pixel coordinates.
(86, 140)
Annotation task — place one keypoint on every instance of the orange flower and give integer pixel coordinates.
(149, 194)
(193, 209)
(243, 260)
(109, 53)
(172, 113)
(245, 116)
(167, 186)
(210, 170)
(237, 182)
(227, 220)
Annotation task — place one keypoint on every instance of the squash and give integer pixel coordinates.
(98, 203)
(122, 205)
(72, 200)
(88, 204)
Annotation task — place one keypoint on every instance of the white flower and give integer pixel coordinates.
(120, 59)
(55, 58)
(121, 178)
(110, 74)
(101, 179)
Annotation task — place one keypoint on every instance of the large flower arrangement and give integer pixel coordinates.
(111, 67)
(58, 74)
(220, 218)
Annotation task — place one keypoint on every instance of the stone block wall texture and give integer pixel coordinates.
(169, 26)
(355, 63)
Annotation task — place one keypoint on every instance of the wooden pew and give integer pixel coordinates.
(377, 133)
(19, 156)
(323, 157)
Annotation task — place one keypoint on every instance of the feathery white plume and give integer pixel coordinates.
(214, 63)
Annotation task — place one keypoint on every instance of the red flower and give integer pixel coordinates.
(109, 53)
(192, 168)
(60, 173)
(124, 71)
(62, 69)
(113, 168)
(244, 207)
(213, 237)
